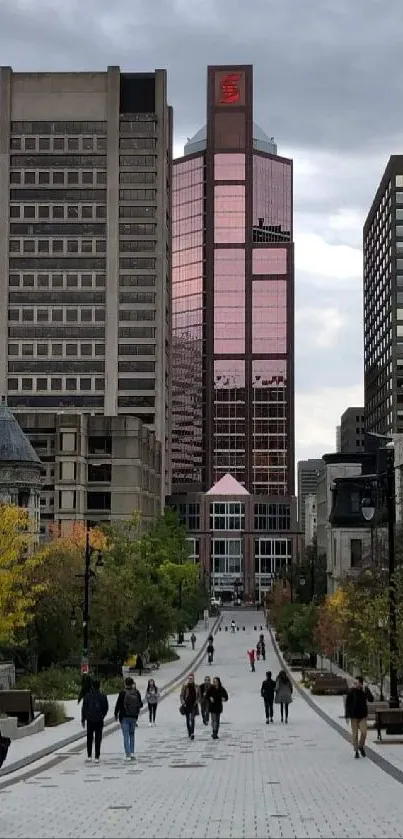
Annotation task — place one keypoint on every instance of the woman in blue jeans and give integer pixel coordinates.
(127, 710)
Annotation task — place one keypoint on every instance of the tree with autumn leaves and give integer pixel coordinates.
(134, 601)
(21, 585)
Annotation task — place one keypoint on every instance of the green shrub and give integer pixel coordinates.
(163, 654)
(54, 712)
(54, 683)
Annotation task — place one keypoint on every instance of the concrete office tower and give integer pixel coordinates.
(307, 474)
(352, 430)
(85, 226)
(233, 344)
(233, 300)
(383, 304)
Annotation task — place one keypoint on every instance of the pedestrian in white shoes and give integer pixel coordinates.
(152, 698)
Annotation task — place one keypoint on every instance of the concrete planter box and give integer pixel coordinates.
(9, 727)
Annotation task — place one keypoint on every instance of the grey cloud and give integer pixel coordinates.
(341, 364)
(326, 73)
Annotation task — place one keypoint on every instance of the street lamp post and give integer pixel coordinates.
(368, 507)
(89, 573)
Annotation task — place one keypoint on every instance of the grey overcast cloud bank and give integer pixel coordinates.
(327, 85)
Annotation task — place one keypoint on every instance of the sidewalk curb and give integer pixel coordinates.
(380, 761)
(110, 727)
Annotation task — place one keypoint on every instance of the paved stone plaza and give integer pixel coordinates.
(258, 780)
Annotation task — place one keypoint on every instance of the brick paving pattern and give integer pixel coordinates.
(257, 780)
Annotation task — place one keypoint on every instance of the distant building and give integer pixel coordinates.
(383, 304)
(20, 469)
(310, 519)
(241, 541)
(338, 438)
(345, 544)
(307, 471)
(97, 469)
(352, 431)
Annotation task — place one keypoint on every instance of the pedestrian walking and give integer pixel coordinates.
(86, 684)
(232, 625)
(262, 647)
(94, 710)
(189, 707)
(127, 709)
(216, 695)
(204, 702)
(193, 640)
(251, 654)
(152, 698)
(283, 694)
(139, 664)
(5, 743)
(210, 652)
(267, 692)
(258, 651)
(357, 713)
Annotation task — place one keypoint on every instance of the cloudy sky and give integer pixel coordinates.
(328, 86)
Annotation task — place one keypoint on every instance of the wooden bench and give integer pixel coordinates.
(296, 662)
(388, 718)
(331, 685)
(17, 703)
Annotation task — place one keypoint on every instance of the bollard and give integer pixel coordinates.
(261, 627)
(243, 628)
(255, 628)
(226, 628)
(237, 629)
(219, 628)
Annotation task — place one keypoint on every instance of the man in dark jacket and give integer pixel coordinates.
(127, 709)
(267, 692)
(357, 713)
(216, 695)
(94, 710)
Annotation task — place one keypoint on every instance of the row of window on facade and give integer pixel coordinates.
(86, 144)
(71, 315)
(74, 383)
(78, 349)
(226, 555)
(79, 211)
(81, 245)
(230, 515)
(68, 280)
(73, 177)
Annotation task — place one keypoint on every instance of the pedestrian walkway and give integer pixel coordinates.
(295, 780)
(28, 747)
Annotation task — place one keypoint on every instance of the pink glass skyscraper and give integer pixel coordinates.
(233, 300)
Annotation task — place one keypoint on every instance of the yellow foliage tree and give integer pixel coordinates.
(19, 586)
(73, 537)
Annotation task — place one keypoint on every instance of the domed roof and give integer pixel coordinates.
(261, 141)
(14, 445)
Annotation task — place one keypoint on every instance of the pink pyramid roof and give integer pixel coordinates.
(227, 485)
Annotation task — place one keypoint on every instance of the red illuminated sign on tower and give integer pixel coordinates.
(230, 92)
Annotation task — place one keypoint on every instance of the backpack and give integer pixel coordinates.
(94, 707)
(131, 703)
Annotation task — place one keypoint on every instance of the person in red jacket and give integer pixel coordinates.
(251, 654)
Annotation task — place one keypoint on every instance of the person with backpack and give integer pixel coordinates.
(94, 710)
(127, 710)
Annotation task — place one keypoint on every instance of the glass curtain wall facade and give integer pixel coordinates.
(187, 319)
(233, 301)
